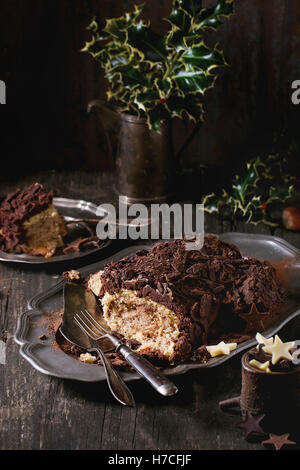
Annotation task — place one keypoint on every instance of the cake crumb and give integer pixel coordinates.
(43, 337)
(87, 357)
(201, 355)
(72, 275)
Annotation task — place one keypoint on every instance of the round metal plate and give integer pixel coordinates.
(51, 361)
(70, 209)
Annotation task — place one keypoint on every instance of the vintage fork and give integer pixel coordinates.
(115, 382)
(158, 380)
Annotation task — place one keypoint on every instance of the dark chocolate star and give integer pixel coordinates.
(255, 319)
(251, 425)
(278, 441)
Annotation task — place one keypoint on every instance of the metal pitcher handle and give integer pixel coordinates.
(114, 122)
(188, 141)
(109, 119)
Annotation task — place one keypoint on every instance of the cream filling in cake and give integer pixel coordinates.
(44, 232)
(153, 325)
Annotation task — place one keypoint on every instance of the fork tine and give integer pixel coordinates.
(84, 327)
(87, 320)
(97, 325)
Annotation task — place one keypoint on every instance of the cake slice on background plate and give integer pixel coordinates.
(29, 223)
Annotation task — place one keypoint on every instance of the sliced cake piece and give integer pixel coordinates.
(29, 223)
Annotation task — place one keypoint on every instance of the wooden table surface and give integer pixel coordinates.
(43, 412)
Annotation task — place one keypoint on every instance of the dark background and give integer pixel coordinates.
(44, 124)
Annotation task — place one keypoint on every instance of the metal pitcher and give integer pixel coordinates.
(144, 158)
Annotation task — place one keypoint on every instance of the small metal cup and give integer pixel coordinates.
(275, 394)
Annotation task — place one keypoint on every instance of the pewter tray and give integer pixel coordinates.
(48, 360)
(69, 209)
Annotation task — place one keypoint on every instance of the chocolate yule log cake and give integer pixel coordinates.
(30, 224)
(170, 301)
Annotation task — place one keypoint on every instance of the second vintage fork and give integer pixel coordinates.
(144, 368)
(115, 382)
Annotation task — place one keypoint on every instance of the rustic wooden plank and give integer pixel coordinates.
(240, 226)
(41, 412)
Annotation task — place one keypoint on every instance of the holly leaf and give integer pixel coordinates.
(96, 29)
(128, 77)
(211, 17)
(178, 106)
(190, 7)
(154, 118)
(202, 57)
(164, 86)
(179, 20)
(192, 81)
(281, 195)
(116, 28)
(146, 43)
(147, 99)
(211, 203)
(250, 178)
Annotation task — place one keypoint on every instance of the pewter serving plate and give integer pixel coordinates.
(43, 356)
(70, 209)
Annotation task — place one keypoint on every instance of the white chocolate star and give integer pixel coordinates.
(221, 348)
(259, 365)
(262, 340)
(279, 350)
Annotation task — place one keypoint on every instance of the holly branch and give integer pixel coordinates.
(155, 76)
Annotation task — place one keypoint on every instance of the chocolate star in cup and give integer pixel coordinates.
(262, 340)
(279, 350)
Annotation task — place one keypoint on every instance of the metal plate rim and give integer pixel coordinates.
(279, 240)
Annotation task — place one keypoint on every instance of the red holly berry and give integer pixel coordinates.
(264, 206)
(163, 100)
